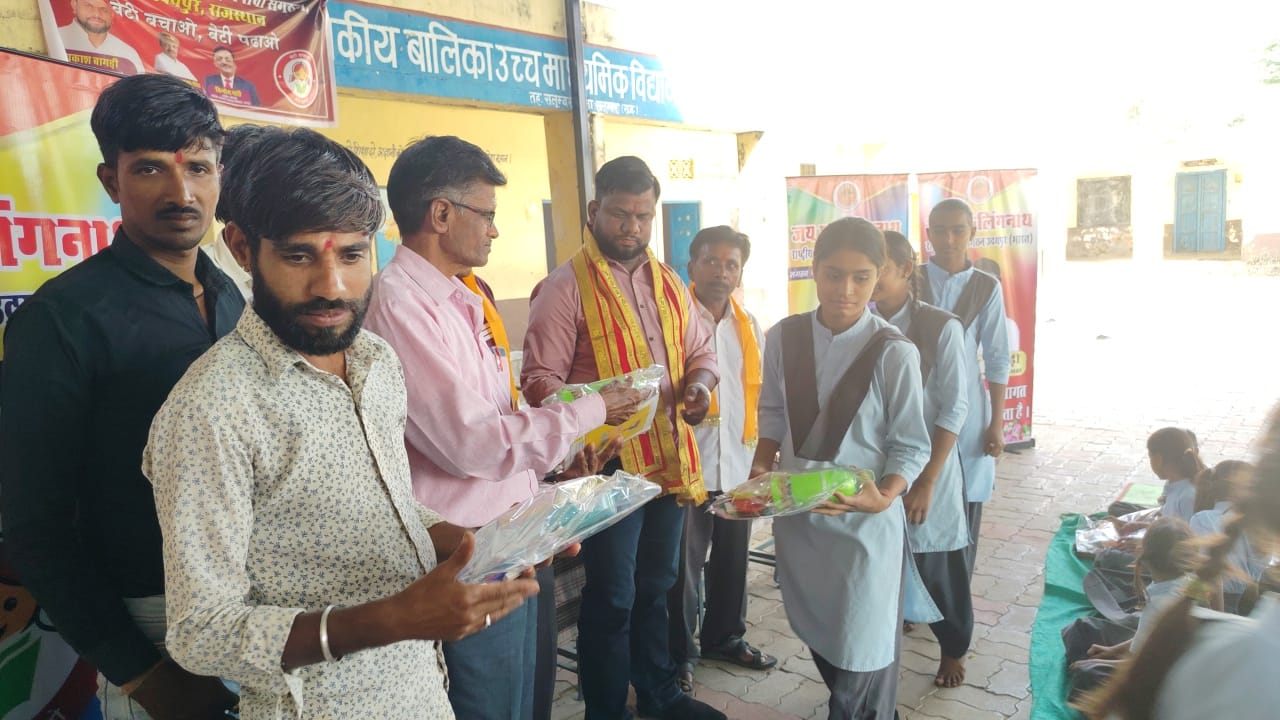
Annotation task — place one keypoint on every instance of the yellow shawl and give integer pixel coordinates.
(665, 455)
(752, 373)
(499, 331)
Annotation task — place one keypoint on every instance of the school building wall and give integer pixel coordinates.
(1153, 207)
(377, 129)
(535, 148)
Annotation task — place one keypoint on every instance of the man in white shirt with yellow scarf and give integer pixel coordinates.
(726, 442)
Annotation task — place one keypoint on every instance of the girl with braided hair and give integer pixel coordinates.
(1217, 493)
(937, 524)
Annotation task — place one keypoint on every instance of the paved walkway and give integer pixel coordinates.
(1201, 363)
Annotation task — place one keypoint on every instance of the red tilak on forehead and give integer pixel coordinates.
(328, 244)
(177, 157)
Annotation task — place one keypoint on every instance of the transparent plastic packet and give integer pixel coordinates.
(1095, 535)
(776, 494)
(556, 517)
(646, 379)
(1141, 517)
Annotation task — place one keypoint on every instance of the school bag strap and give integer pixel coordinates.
(975, 295)
(925, 332)
(922, 285)
(800, 372)
(817, 432)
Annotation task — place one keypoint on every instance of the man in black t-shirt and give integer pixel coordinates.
(89, 359)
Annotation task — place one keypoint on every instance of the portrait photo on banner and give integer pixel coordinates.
(264, 60)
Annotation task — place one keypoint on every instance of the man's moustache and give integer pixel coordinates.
(321, 305)
(170, 212)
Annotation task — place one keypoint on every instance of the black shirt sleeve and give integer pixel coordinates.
(45, 393)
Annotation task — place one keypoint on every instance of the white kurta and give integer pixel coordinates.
(841, 576)
(1179, 499)
(946, 404)
(726, 459)
(1229, 671)
(1160, 595)
(1242, 556)
(986, 336)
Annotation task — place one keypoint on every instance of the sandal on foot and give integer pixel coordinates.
(740, 653)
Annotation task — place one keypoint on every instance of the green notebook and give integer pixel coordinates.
(1141, 493)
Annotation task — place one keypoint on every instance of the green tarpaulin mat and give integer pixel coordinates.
(1064, 601)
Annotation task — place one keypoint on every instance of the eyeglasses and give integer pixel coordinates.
(486, 215)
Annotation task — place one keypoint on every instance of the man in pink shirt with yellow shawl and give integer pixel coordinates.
(611, 309)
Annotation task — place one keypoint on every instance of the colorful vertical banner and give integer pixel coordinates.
(260, 59)
(53, 214)
(1005, 245)
(815, 201)
(53, 211)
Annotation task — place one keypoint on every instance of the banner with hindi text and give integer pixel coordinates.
(260, 59)
(53, 211)
(53, 214)
(815, 201)
(1005, 244)
(382, 48)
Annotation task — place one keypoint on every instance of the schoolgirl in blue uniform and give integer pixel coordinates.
(842, 387)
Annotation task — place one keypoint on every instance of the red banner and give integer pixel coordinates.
(260, 59)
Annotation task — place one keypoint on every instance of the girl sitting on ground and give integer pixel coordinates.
(1175, 458)
(1215, 494)
(1166, 555)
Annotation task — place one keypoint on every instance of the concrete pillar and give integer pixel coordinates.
(562, 173)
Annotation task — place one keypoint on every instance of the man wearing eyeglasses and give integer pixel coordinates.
(472, 452)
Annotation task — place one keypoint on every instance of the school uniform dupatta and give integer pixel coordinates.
(665, 455)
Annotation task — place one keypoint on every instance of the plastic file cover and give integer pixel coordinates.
(647, 380)
(776, 494)
(556, 517)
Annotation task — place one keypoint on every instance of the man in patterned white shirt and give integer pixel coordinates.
(297, 561)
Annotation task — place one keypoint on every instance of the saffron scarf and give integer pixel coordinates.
(499, 332)
(752, 373)
(665, 455)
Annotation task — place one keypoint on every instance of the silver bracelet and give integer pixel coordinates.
(324, 635)
(703, 386)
